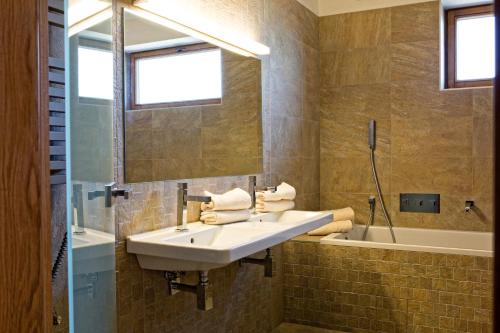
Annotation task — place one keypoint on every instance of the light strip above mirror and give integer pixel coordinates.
(155, 11)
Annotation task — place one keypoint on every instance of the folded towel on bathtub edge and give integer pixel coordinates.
(333, 227)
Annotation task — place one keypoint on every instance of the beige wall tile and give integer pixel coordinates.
(139, 145)
(354, 67)
(139, 170)
(368, 29)
(415, 60)
(434, 175)
(415, 22)
(353, 174)
(432, 137)
(483, 136)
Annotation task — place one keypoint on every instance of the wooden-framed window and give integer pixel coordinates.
(176, 76)
(470, 47)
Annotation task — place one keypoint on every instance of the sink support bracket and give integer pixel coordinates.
(202, 290)
(267, 262)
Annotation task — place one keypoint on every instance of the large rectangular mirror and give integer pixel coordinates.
(192, 109)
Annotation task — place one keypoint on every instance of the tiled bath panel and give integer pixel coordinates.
(378, 290)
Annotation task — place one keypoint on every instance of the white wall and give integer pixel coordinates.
(332, 7)
(312, 5)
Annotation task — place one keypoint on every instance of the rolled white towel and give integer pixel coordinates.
(330, 228)
(223, 217)
(283, 191)
(343, 214)
(235, 199)
(273, 206)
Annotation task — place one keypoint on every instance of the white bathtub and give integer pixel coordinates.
(423, 240)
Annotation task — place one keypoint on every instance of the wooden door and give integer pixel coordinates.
(25, 262)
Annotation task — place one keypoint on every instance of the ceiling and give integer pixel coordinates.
(79, 10)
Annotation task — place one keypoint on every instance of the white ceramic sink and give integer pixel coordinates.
(205, 247)
(93, 251)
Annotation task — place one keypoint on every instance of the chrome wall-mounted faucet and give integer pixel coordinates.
(110, 192)
(182, 199)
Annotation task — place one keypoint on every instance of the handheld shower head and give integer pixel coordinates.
(371, 134)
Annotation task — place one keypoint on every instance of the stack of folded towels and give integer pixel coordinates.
(280, 200)
(342, 222)
(232, 206)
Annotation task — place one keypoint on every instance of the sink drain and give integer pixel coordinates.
(192, 240)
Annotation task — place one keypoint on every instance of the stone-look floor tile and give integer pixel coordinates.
(434, 175)
(414, 61)
(415, 22)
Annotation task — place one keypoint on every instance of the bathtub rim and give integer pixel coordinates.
(332, 240)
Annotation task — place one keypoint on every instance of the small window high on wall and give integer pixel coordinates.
(95, 73)
(179, 76)
(470, 47)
